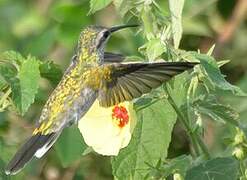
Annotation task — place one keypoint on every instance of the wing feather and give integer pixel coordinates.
(130, 80)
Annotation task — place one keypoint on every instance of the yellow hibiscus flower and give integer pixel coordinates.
(107, 130)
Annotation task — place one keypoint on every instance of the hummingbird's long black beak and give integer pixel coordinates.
(116, 28)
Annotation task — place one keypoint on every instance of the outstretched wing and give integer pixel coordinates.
(131, 80)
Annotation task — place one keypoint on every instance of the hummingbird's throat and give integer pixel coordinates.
(120, 115)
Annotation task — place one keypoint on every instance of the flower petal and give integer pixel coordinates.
(102, 132)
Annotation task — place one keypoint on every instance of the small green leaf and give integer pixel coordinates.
(12, 57)
(222, 63)
(176, 9)
(70, 146)
(214, 75)
(51, 71)
(7, 71)
(96, 5)
(149, 143)
(218, 169)
(211, 50)
(25, 86)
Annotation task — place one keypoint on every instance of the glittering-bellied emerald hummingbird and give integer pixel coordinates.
(93, 74)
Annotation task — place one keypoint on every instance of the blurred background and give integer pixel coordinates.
(49, 29)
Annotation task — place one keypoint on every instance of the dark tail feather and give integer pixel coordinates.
(27, 151)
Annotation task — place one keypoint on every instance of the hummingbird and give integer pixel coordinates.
(92, 74)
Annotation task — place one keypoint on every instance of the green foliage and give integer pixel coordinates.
(7, 72)
(178, 165)
(176, 8)
(155, 122)
(96, 5)
(26, 85)
(215, 77)
(217, 111)
(72, 139)
(218, 168)
(154, 49)
(51, 71)
(23, 76)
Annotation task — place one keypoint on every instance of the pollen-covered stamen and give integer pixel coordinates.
(120, 114)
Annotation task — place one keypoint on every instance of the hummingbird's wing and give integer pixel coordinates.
(113, 57)
(131, 80)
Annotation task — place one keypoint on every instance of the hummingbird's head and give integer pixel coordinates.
(93, 40)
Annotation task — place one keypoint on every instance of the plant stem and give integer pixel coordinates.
(195, 138)
(242, 168)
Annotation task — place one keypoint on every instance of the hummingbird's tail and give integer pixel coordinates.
(37, 145)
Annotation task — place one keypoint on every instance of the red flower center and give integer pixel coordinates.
(120, 113)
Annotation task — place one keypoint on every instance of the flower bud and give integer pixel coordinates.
(199, 119)
(177, 176)
(239, 137)
(238, 153)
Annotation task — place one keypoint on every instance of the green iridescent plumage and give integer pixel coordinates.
(92, 74)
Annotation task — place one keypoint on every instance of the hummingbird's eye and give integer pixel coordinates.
(106, 34)
(102, 38)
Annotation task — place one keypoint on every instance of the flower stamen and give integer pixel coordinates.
(120, 114)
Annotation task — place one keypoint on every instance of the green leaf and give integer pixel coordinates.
(51, 71)
(217, 112)
(7, 71)
(154, 49)
(26, 86)
(70, 146)
(96, 5)
(179, 165)
(214, 75)
(149, 142)
(12, 57)
(179, 88)
(218, 168)
(176, 8)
